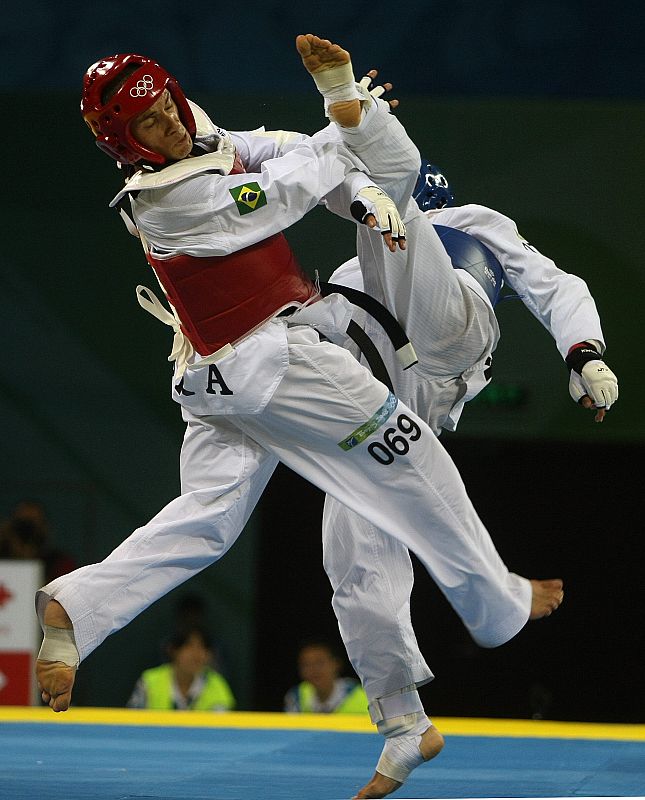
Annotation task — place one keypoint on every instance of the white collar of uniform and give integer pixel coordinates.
(221, 160)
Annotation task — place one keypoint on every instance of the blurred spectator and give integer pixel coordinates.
(322, 690)
(191, 610)
(25, 534)
(186, 682)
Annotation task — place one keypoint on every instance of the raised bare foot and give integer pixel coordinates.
(320, 54)
(380, 785)
(547, 597)
(55, 678)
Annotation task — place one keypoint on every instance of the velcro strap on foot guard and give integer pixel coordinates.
(397, 704)
(59, 644)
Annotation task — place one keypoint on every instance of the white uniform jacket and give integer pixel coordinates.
(560, 301)
(194, 207)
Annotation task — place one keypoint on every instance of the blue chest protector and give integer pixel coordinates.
(471, 255)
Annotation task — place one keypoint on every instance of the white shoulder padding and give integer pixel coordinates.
(177, 172)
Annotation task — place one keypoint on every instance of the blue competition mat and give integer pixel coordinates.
(47, 760)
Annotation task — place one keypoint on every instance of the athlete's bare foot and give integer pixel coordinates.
(56, 679)
(380, 785)
(547, 597)
(319, 55)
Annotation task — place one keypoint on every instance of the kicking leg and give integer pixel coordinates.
(330, 66)
(58, 658)
(223, 475)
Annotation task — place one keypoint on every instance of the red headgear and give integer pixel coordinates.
(110, 121)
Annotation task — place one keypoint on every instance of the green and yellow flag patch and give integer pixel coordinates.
(248, 197)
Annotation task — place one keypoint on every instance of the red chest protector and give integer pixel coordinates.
(220, 299)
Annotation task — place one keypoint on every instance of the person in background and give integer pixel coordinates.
(322, 690)
(187, 682)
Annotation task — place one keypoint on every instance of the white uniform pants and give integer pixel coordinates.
(390, 468)
(371, 574)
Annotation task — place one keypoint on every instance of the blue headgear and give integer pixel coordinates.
(432, 189)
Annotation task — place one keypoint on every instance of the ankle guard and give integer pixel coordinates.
(401, 753)
(396, 704)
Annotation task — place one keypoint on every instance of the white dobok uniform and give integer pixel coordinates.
(452, 325)
(280, 393)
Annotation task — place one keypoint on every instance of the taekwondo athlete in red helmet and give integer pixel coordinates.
(109, 109)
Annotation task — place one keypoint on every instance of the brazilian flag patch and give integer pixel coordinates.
(248, 197)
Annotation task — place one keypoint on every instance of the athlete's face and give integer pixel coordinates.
(160, 129)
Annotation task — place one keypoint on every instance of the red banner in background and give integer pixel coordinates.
(15, 678)
(19, 631)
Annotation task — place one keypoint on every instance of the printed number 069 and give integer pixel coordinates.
(394, 443)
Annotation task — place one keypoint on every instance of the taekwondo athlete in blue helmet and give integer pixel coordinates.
(486, 246)
(448, 314)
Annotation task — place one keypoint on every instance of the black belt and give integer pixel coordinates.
(395, 333)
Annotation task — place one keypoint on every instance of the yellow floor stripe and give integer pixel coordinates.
(349, 723)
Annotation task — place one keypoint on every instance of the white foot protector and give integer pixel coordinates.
(401, 754)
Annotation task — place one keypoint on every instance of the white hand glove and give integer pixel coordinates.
(367, 84)
(372, 200)
(597, 381)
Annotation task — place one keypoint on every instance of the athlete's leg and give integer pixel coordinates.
(332, 422)
(223, 475)
(449, 326)
(371, 576)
